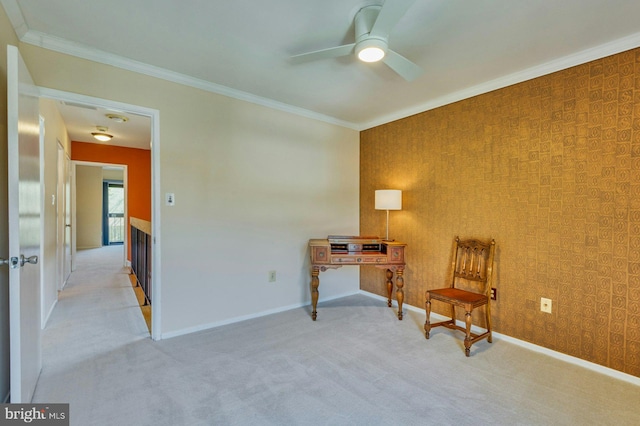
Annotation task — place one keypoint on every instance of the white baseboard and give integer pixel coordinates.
(247, 317)
(536, 348)
(46, 320)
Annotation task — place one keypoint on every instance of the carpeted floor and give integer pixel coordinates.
(356, 365)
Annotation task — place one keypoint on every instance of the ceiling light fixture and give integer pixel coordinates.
(371, 50)
(102, 134)
(117, 118)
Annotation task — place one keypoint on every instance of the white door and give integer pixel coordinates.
(24, 228)
(60, 228)
(67, 218)
(63, 218)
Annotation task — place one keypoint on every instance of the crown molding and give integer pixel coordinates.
(67, 47)
(15, 17)
(588, 55)
(82, 51)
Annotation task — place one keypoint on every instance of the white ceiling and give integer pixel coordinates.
(242, 48)
(82, 119)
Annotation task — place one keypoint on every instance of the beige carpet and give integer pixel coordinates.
(357, 365)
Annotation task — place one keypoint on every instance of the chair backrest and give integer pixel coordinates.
(472, 261)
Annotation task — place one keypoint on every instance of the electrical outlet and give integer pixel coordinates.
(494, 293)
(545, 305)
(272, 276)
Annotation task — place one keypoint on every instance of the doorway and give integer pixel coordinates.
(154, 142)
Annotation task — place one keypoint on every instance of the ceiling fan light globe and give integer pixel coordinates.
(371, 50)
(371, 54)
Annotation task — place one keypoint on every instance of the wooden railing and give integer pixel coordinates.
(141, 243)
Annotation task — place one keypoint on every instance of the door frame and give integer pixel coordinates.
(125, 183)
(44, 316)
(154, 116)
(60, 214)
(63, 212)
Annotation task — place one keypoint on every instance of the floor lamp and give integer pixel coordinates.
(388, 199)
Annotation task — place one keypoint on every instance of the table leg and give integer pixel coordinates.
(389, 286)
(399, 290)
(315, 283)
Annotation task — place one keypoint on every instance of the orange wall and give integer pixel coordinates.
(139, 172)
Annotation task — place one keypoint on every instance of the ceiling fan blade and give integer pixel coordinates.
(331, 52)
(392, 11)
(407, 69)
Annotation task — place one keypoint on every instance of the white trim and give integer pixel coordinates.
(156, 226)
(15, 375)
(15, 16)
(154, 115)
(61, 45)
(55, 94)
(247, 317)
(46, 317)
(125, 184)
(554, 354)
(588, 55)
(60, 224)
(72, 214)
(43, 204)
(81, 51)
(527, 345)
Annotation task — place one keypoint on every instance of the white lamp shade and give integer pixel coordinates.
(388, 199)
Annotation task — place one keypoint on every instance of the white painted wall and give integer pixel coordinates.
(252, 186)
(88, 207)
(112, 174)
(55, 131)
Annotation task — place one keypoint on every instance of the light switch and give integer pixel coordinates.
(170, 199)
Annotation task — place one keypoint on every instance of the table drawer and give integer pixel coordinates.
(320, 254)
(396, 254)
(355, 259)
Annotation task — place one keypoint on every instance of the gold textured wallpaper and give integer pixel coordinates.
(549, 168)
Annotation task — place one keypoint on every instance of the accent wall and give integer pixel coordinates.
(549, 168)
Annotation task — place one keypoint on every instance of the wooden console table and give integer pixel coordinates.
(337, 251)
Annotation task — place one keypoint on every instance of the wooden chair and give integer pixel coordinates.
(471, 268)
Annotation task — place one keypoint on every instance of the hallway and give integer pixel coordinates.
(97, 315)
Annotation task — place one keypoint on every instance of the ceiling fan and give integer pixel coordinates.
(373, 25)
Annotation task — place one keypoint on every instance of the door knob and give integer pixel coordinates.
(13, 262)
(31, 259)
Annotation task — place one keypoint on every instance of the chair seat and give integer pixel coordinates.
(471, 265)
(458, 297)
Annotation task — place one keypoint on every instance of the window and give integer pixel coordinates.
(113, 213)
